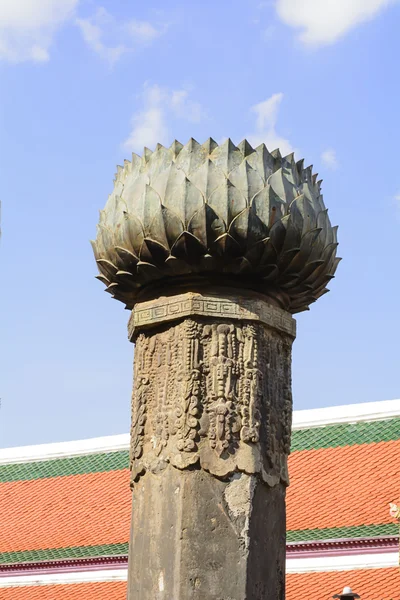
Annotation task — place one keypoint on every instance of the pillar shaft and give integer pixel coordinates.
(211, 420)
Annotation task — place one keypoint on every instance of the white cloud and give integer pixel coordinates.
(329, 158)
(27, 27)
(149, 125)
(323, 22)
(110, 39)
(143, 31)
(395, 202)
(185, 108)
(92, 30)
(265, 128)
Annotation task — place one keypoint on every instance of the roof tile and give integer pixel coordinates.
(370, 584)
(72, 591)
(79, 510)
(343, 487)
(58, 510)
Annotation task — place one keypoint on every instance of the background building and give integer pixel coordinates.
(65, 511)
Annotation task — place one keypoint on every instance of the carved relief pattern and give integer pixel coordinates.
(214, 393)
(251, 395)
(140, 396)
(187, 399)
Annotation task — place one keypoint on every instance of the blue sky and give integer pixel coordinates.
(83, 83)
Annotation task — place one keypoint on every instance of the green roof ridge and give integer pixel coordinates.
(312, 438)
(345, 434)
(356, 531)
(62, 467)
(64, 553)
(303, 535)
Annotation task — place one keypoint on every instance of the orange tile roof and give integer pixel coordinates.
(115, 590)
(78, 510)
(330, 488)
(370, 584)
(346, 486)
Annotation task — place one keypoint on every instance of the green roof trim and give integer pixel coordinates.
(359, 531)
(63, 553)
(62, 467)
(346, 434)
(313, 438)
(304, 535)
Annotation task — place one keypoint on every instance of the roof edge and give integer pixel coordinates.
(343, 562)
(119, 573)
(300, 557)
(99, 445)
(71, 565)
(302, 419)
(339, 547)
(346, 413)
(343, 546)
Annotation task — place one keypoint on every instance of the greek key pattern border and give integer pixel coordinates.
(146, 314)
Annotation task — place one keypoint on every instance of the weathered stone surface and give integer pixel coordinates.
(211, 420)
(213, 247)
(216, 304)
(212, 391)
(197, 537)
(225, 214)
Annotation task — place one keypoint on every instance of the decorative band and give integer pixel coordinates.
(153, 312)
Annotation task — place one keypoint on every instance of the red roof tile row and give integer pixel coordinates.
(343, 487)
(333, 487)
(78, 510)
(370, 584)
(72, 591)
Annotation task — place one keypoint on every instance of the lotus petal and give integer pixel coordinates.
(206, 225)
(268, 206)
(188, 247)
(227, 201)
(175, 148)
(148, 271)
(226, 245)
(283, 187)
(246, 180)
(262, 162)
(173, 225)
(183, 198)
(212, 210)
(103, 280)
(153, 252)
(107, 268)
(126, 257)
(176, 266)
(245, 148)
(226, 157)
(190, 157)
(131, 233)
(207, 178)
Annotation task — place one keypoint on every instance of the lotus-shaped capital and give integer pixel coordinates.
(227, 215)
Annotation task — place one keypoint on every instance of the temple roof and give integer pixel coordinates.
(371, 584)
(70, 504)
(75, 591)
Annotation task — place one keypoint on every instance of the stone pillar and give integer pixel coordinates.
(213, 247)
(211, 419)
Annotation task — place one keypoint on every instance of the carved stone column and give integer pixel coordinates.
(212, 248)
(211, 419)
